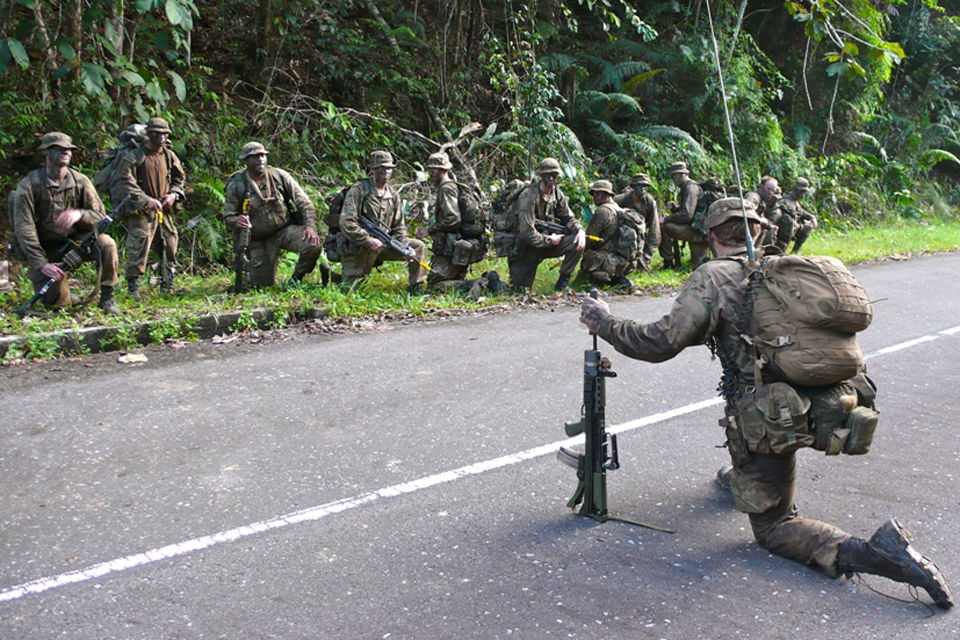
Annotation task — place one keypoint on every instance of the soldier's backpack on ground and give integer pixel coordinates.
(503, 217)
(803, 316)
(713, 190)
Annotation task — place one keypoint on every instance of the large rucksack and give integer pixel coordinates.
(110, 159)
(805, 313)
(712, 190)
(334, 207)
(630, 234)
(473, 213)
(503, 214)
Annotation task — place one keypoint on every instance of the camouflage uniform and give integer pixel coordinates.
(272, 226)
(143, 176)
(357, 256)
(602, 264)
(533, 246)
(39, 239)
(677, 227)
(647, 208)
(707, 308)
(795, 223)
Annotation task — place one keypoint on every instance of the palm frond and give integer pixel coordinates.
(558, 63)
(661, 133)
(932, 157)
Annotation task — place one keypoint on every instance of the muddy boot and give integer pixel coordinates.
(562, 283)
(889, 554)
(107, 303)
(623, 283)
(133, 288)
(324, 274)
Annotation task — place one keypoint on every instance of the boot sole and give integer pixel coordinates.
(892, 541)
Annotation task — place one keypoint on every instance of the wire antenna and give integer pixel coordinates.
(733, 144)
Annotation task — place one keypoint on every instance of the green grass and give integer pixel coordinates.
(384, 293)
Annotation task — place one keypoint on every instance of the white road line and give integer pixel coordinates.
(316, 513)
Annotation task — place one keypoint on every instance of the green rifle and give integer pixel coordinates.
(376, 229)
(600, 451)
(549, 228)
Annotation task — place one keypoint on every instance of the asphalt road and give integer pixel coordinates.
(403, 484)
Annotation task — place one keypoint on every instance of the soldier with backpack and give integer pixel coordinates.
(795, 222)
(778, 398)
(51, 206)
(458, 231)
(614, 239)
(152, 177)
(280, 216)
(678, 226)
(639, 199)
(541, 202)
(377, 201)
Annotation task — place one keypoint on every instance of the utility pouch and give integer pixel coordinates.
(443, 244)
(735, 443)
(468, 251)
(774, 419)
(330, 247)
(347, 247)
(861, 423)
(505, 244)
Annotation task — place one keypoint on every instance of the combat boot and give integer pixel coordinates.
(622, 282)
(889, 554)
(562, 283)
(107, 303)
(324, 274)
(133, 288)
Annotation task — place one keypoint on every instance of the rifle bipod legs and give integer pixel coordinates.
(638, 523)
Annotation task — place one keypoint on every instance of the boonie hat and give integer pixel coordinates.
(380, 159)
(801, 184)
(678, 167)
(548, 165)
(604, 186)
(726, 208)
(439, 161)
(56, 139)
(640, 179)
(251, 149)
(158, 125)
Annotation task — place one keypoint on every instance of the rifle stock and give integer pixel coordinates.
(549, 228)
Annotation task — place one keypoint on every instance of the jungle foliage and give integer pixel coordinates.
(860, 96)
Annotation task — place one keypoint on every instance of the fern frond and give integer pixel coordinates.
(558, 63)
(931, 157)
(662, 133)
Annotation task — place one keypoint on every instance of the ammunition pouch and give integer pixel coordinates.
(779, 418)
(443, 243)
(506, 244)
(467, 251)
(773, 419)
(330, 247)
(346, 246)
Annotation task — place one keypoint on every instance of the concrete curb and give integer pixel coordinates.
(100, 339)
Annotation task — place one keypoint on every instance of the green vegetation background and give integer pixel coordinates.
(859, 97)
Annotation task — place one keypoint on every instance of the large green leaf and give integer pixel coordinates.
(133, 78)
(156, 93)
(18, 52)
(66, 50)
(94, 78)
(148, 5)
(179, 86)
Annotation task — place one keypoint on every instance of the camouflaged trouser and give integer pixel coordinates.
(672, 232)
(264, 253)
(442, 269)
(523, 268)
(358, 266)
(143, 235)
(58, 295)
(764, 489)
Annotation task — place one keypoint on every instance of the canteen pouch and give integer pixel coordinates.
(861, 424)
(330, 247)
(505, 244)
(468, 251)
(774, 419)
